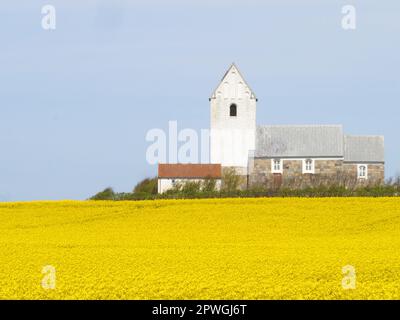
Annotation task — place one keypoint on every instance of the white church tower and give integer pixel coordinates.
(233, 121)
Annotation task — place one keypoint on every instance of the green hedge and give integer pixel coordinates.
(192, 192)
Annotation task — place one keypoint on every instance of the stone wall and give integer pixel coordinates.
(327, 172)
(376, 173)
(260, 174)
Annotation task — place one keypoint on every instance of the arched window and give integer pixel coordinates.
(233, 110)
(362, 171)
(308, 166)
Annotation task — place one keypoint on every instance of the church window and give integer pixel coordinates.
(276, 166)
(308, 166)
(233, 110)
(362, 171)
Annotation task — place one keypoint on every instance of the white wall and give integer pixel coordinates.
(167, 184)
(232, 137)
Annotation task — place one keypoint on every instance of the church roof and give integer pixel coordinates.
(364, 149)
(303, 141)
(317, 141)
(193, 171)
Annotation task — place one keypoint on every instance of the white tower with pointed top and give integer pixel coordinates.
(233, 121)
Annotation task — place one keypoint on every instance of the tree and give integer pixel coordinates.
(230, 180)
(148, 185)
(106, 194)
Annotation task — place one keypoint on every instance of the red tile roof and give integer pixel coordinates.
(190, 171)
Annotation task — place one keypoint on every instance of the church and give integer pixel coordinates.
(271, 156)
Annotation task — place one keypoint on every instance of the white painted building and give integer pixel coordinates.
(233, 121)
(172, 175)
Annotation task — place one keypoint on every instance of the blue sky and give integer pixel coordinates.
(77, 102)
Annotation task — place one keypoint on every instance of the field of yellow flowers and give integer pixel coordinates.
(201, 249)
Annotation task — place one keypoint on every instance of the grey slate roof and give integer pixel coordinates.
(364, 149)
(317, 141)
(299, 141)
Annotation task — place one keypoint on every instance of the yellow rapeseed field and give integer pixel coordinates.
(201, 249)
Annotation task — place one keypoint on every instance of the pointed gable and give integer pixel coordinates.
(233, 86)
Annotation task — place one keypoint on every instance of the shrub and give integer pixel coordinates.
(148, 185)
(230, 180)
(209, 185)
(230, 188)
(106, 194)
(136, 196)
(191, 188)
